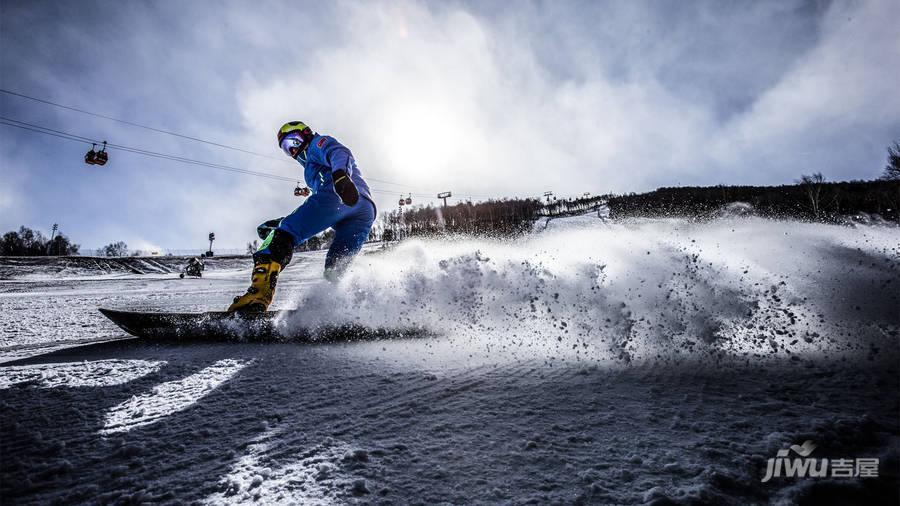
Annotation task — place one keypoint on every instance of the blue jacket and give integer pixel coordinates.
(324, 156)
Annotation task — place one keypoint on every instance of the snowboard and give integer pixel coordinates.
(269, 326)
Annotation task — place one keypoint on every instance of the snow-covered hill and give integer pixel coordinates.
(37, 268)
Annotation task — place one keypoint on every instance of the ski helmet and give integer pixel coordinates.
(304, 133)
(299, 133)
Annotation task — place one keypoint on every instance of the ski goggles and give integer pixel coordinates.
(292, 144)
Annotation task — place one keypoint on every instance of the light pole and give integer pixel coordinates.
(444, 196)
(212, 237)
(52, 235)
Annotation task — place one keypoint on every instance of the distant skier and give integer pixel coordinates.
(340, 199)
(194, 268)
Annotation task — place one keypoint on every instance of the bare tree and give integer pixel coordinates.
(892, 169)
(812, 185)
(115, 249)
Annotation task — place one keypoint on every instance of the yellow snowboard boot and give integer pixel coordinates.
(262, 288)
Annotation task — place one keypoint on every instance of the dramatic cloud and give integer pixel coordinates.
(483, 99)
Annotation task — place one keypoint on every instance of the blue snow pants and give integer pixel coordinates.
(323, 210)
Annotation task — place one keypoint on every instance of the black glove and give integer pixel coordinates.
(345, 188)
(263, 230)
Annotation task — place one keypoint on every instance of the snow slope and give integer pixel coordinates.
(654, 361)
(32, 269)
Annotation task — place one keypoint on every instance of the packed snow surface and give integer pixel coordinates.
(593, 361)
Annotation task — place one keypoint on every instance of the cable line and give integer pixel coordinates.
(77, 138)
(167, 132)
(86, 140)
(138, 125)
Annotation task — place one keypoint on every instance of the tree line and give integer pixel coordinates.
(28, 242)
(493, 218)
(504, 217)
(33, 243)
(812, 198)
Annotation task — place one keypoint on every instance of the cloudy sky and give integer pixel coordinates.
(483, 98)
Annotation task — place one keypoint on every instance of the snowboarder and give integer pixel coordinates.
(194, 268)
(340, 199)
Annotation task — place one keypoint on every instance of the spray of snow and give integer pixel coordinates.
(170, 397)
(644, 289)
